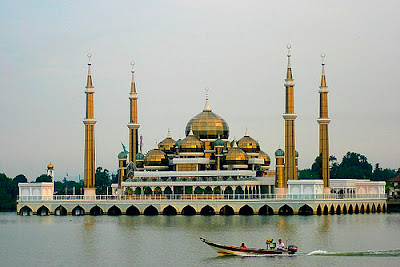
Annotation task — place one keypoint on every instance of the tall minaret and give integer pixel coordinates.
(89, 121)
(133, 124)
(323, 122)
(289, 117)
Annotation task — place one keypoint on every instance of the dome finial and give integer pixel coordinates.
(288, 46)
(247, 132)
(169, 134)
(191, 131)
(323, 63)
(156, 145)
(207, 105)
(89, 56)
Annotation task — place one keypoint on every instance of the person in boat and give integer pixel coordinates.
(243, 246)
(281, 245)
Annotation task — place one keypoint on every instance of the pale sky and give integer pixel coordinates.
(235, 48)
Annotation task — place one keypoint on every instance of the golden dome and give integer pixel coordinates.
(155, 157)
(236, 156)
(167, 145)
(50, 166)
(191, 144)
(265, 156)
(248, 144)
(208, 125)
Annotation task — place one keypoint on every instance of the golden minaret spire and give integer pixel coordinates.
(323, 122)
(289, 116)
(89, 121)
(133, 124)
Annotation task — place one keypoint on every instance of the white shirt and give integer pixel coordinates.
(281, 245)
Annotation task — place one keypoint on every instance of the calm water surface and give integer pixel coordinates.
(174, 240)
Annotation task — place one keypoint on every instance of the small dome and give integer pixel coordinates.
(248, 144)
(219, 142)
(167, 145)
(191, 144)
(236, 156)
(265, 156)
(296, 154)
(50, 166)
(139, 156)
(155, 157)
(122, 155)
(232, 143)
(279, 153)
(178, 142)
(208, 125)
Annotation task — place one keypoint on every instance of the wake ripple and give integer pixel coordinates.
(381, 253)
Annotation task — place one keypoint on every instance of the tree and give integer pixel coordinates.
(354, 165)
(20, 178)
(103, 180)
(8, 193)
(44, 178)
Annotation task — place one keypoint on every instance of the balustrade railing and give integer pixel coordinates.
(200, 197)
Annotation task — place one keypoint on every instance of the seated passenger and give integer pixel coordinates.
(243, 246)
(281, 245)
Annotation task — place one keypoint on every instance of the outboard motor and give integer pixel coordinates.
(292, 249)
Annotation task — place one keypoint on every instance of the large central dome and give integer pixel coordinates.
(208, 125)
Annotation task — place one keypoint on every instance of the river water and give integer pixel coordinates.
(357, 239)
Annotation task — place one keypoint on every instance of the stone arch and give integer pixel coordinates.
(383, 208)
(114, 211)
(239, 190)
(78, 211)
(169, 210)
(326, 211)
(208, 190)
(265, 210)
(306, 210)
(362, 209)
(150, 210)
(367, 210)
(198, 190)
(226, 210)
(188, 210)
(378, 209)
(157, 191)
(217, 190)
(319, 210)
(373, 208)
(228, 190)
(60, 211)
(132, 210)
(338, 210)
(43, 211)
(167, 191)
(332, 210)
(25, 211)
(344, 209)
(207, 210)
(246, 210)
(285, 210)
(147, 190)
(356, 210)
(350, 210)
(138, 191)
(96, 210)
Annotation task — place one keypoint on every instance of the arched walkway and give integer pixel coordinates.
(350, 211)
(150, 210)
(132, 210)
(228, 190)
(332, 210)
(362, 210)
(373, 209)
(246, 210)
(207, 210)
(338, 210)
(326, 211)
(95, 211)
(285, 210)
(60, 211)
(368, 210)
(306, 210)
(356, 210)
(383, 208)
(169, 210)
(208, 190)
(78, 211)
(265, 210)
(25, 211)
(167, 191)
(43, 211)
(344, 209)
(114, 211)
(226, 210)
(319, 210)
(188, 210)
(147, 190)
(378, 209)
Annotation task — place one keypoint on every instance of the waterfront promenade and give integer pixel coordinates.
(203, 204)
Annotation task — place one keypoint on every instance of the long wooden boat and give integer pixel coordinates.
(224, 250)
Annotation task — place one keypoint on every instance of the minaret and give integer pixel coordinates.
(133, 124)
(289, 117)
(89, 121)
(323, 122)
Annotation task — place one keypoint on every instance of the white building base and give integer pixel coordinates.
(89, 191)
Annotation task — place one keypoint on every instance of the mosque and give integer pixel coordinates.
(208, 171)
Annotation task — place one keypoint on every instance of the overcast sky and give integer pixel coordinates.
(235, 48)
